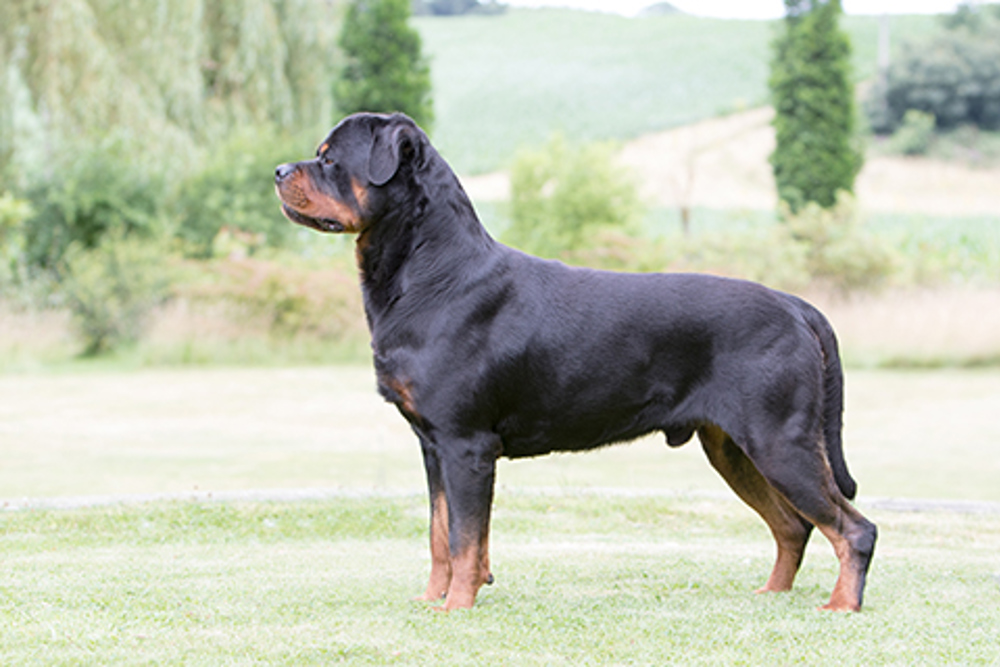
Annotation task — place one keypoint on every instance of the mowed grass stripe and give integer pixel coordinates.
(581, 579)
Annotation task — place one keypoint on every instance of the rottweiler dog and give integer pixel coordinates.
(489, 352)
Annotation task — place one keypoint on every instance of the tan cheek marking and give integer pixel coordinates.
(321, 205)
(360, 193)
(291, 193)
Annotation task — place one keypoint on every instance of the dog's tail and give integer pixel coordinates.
(833, 398)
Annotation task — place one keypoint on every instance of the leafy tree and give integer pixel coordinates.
(385, 71)
(955, 77)
(93, 193)
(811, 89)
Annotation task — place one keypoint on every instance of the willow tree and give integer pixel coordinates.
(815, 156)
(167, 74)
(148, 89)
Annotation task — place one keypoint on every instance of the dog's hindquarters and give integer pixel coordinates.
(782, 452)
(833, 396)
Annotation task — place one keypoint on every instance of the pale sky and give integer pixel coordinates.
(747, 9)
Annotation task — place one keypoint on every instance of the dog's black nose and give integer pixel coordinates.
(282, 172)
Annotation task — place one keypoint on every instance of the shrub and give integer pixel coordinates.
(838, 252)
(13, 213)
(563, 199)
(287, 302)
(914, 135)
(112, 288)
(94, 191)
(767, 255)
(234, 190)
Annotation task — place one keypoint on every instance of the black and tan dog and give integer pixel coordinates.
(488, 352)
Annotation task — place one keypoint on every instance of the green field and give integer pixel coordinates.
(501, 82)
(581, 579)
(907, 434)
(631, 555)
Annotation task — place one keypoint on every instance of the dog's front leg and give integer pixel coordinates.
(468, 469)
(440, 578)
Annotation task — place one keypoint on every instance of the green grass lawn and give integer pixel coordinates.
(501, 82)
(632, 555)
(908, 434)
(581, 579)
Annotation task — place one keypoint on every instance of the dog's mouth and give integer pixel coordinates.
(327, 225)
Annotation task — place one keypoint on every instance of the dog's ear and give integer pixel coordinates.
(390, 146)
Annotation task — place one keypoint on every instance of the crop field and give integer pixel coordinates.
(501, 82)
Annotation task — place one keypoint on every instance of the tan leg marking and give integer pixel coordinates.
(441, 570)
(790, 530)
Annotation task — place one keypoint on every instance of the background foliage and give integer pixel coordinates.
(567, 199)
(385, 69)
(101, 129)
(954, 76)
(229, 191)
(161, 122)
(112, 289)
(813, 96)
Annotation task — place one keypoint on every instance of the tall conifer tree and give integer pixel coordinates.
(813, 97)
(385, 71)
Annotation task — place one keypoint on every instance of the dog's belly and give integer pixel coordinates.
(536, 435)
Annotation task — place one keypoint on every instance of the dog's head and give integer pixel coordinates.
(345, 187)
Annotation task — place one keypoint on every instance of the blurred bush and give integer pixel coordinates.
(914, 134)
(285, 296)
(838, 252)
(575, 204)
(94, 190)
(567, 200)
(955, 77)
(233, 188)
(13, 213)
(112, 288)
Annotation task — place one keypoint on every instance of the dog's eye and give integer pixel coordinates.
(327, 162)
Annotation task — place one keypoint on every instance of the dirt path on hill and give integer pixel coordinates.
(722, 163)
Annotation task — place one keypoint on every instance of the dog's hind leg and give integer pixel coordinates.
(790, 530)
(795, 464)
(468, 468)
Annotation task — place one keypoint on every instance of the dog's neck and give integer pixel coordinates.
(400, 256)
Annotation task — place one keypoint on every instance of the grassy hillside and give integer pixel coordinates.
(505, 81)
